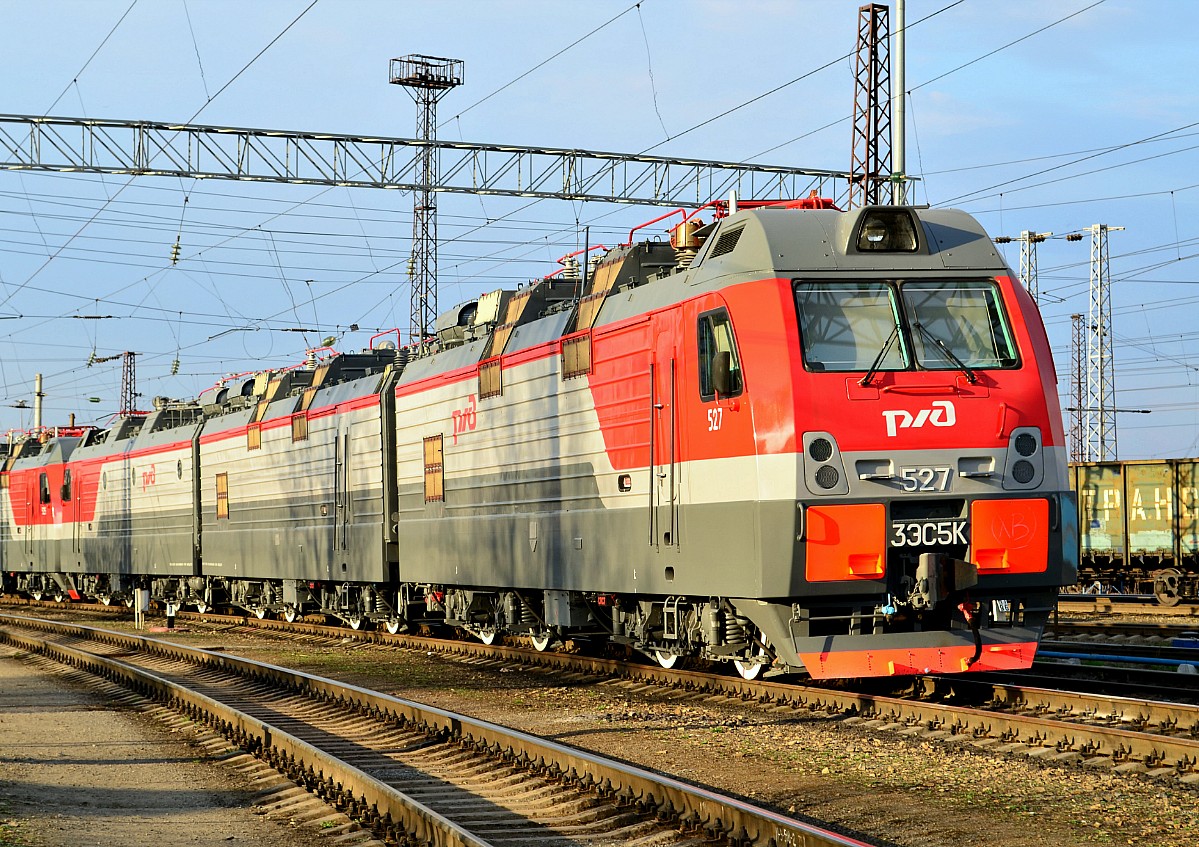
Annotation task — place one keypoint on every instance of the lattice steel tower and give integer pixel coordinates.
(129, 393)
(427, 79)
(1099, 408)
(1078, 381)
(871, 165)
(1028, 261)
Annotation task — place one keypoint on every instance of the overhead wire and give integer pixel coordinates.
(196, 114)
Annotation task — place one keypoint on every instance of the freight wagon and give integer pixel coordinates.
(1139, 528)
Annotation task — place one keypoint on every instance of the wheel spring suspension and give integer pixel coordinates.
(734, 631)
(527, 618)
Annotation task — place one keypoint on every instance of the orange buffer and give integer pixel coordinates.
(922, 660)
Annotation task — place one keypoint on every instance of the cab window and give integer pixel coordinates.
(715, 338)
(958, 323)
(849, 326)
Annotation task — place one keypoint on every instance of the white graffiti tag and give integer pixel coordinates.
(942, 413)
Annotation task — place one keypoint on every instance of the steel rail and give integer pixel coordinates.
(671, 800)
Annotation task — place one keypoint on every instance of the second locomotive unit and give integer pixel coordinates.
(794, 437)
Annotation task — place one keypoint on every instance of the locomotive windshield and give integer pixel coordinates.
(879, 326)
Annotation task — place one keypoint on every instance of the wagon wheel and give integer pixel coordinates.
(1166, 587)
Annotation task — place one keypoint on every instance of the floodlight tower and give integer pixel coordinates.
(427, 79)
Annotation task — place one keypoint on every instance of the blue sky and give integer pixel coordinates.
(1045, 116)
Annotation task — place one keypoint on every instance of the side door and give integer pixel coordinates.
(342, 468)
(70, 512)
(665, 432)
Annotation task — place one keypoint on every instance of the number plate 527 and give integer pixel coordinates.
(924, 479)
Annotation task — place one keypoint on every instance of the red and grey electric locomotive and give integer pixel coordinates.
(791, 437)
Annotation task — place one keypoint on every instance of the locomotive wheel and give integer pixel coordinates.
(128, 602)
(201, 608)
(393, 625)
(260, 612)
(355, 622)
(750, 669)
(1166, 587)
(105, 599)
(487, 636)
(290, 614)
(36, 595)
(541, 641)
(58, 598)
(666, 659)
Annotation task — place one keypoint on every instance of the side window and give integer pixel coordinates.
(222, 495)
(66, 486)
(716, 343)
(434, 470)
(491, 378)
(44, 488)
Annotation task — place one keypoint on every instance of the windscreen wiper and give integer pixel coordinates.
(947, 353)
(882, 354)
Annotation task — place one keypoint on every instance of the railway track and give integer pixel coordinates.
(1115, 605)
(1126, 631)
(411, 772)
(1005, 714)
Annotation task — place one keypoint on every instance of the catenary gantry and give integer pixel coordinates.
(146, 148)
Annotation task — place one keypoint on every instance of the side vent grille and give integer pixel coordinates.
(727, 243)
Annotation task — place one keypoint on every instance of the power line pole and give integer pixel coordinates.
(428, 79)
(870, 168)
(899, 187)
(1099, 407)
